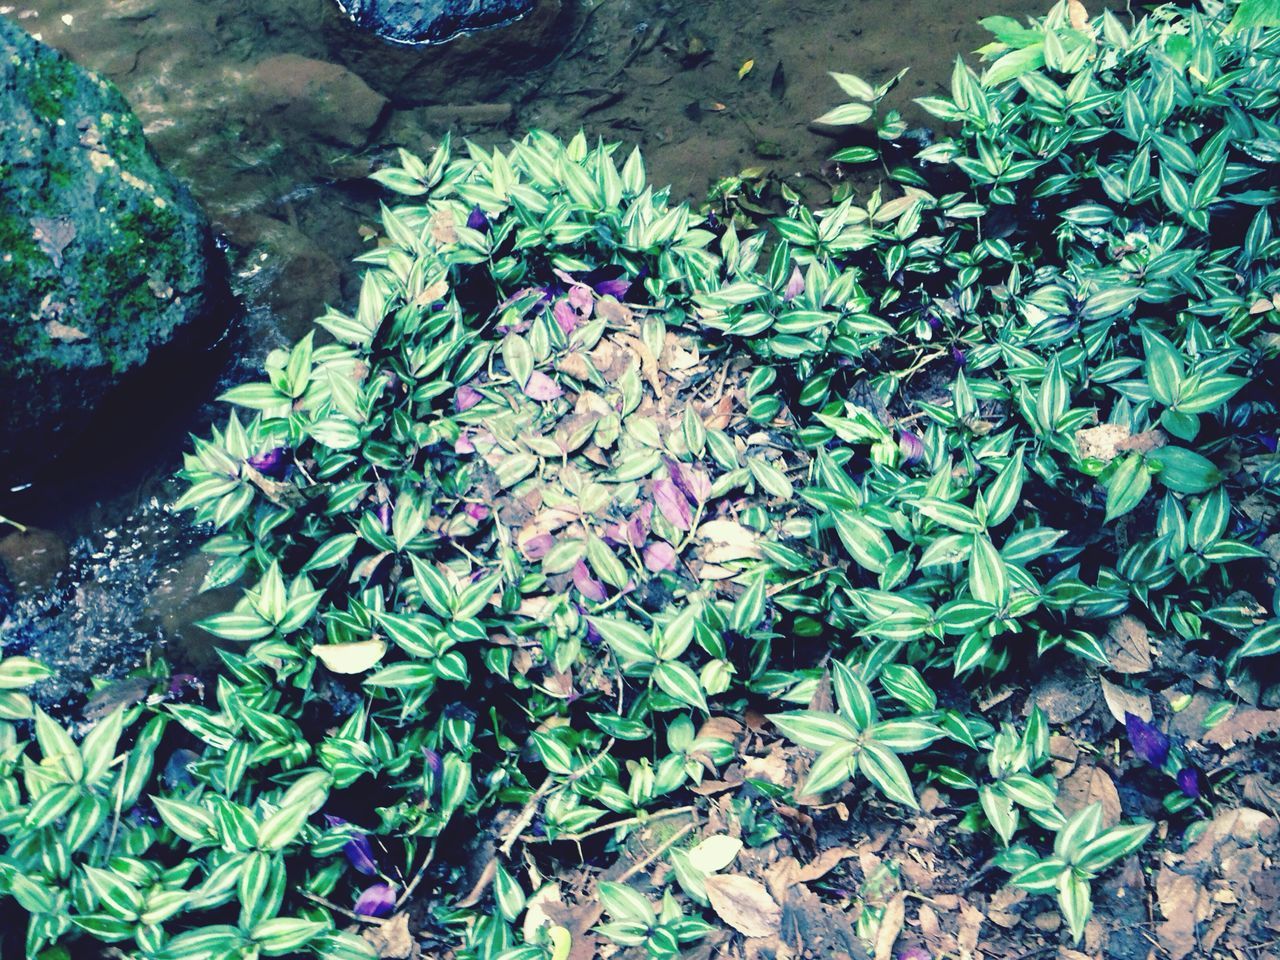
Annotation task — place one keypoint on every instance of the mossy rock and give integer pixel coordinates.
(107, 265)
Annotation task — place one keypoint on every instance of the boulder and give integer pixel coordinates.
(432, 21)
(108, 270)
(482, 63)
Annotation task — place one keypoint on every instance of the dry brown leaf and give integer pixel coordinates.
(1107, 441)
(727, 540)
(824, 863)
(744, 904)
(1078, 15)
(1121, 701)
(392, 940)
(895, 915)
(970, 925)
(1177, 895)
(1243, 725)
(1128, 645)
(1090, 784)
(61, 331)
(1064, 698)
(52, 235)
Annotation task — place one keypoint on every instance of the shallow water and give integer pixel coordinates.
(274, 111)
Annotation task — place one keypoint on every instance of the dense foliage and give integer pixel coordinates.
(586, 468)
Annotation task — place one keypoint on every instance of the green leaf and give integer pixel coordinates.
(814, 730)
(1074, 902)
(1128, 484)
(865, 542)
(847, 114)
(882, 767)
(678, 681)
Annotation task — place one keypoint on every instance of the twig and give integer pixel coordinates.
(13, 523)
(349, 914)
(417, 877)
(606, 827)
(663, 847)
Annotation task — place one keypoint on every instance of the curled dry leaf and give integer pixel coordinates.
(1087, 785)
(744, 904)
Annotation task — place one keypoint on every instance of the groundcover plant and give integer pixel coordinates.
(592, 488)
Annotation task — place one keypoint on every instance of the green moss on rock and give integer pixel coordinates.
(104, 256)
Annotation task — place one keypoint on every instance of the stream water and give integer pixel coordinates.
(274, 111)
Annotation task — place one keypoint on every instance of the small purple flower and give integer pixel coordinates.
(1190, 783)
(359, 853)
(959, 357)
(911, 447)
(617, 289)
(593, 637)
(587, 585)
(1148, 743)
(795, 286)
(377, 901)
(477, 220)
(914, 953)
(271, 462)
(435, 763)
(476, 511)
(1268, 442)
(672, 504)
(659, 556)
(466, 397)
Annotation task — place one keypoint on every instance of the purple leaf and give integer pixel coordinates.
(476, 511)
(1190, 783)
(377, 901)
(795, 286)
(435, 763)
(582, 300)
(383, 513)
(536, 548)
(672, 503)
(566, 316)
(587, 585)
(692, 481)
(911, 447)
(1148, 743)
(463, 444)
(542, 387)
(466, 397)
(959, 357)
(659, 556)
(359, 853)
(270, 462)
(914, 953)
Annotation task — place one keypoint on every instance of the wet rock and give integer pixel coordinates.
(319, 99)
(483, 64)
(32, 559)
(432, 21)
(107, 266)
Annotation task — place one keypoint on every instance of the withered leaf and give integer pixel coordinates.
(1121, 701)
(1244, 724)
(1087, 785)
(1128, 645)
(52, 235)
(744, 904)
(64, 332)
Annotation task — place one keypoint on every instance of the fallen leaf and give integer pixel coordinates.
(392, 940)
(1177, 895)
(824, 863)
(1244, 724)
(1064, 698)
(1121, 701)
(895, 914)
(1088, 785)
(745, 68)
(744, 904)
(727, 540)
(1107, 441)
(61, 331)
(714, 853)
(1128, 645)
(1078, 15)
(350, 658)
(52, 235)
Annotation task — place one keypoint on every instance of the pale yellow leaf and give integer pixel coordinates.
(350, 658)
